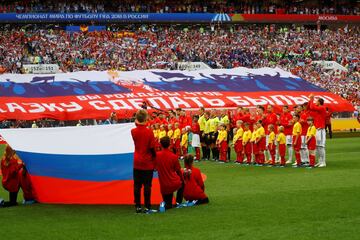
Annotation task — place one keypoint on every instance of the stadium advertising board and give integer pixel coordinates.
(41, 68)
(175, 17)
(95, 94)
(331, 65)
(191, 66)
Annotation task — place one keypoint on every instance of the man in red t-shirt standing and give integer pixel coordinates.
(170, 176)
(319, 112)
(286, 120)
(144, 161)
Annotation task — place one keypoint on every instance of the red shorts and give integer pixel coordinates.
(223, 146)
(255, 149)
(297, 145)
(238, 147)
(282, 149)
(271, 148)
(262, 144)
(312, 144)
(177, 144)
(247, 148)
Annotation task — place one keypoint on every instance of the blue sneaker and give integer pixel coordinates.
(28, 202)
(191, 203)
(149, 211)
(162, 207)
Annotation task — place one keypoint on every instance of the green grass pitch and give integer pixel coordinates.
(246, 203)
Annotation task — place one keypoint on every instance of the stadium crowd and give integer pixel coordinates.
(293, 49)
(171, 6)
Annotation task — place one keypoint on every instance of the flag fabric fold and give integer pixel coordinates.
(79, 165)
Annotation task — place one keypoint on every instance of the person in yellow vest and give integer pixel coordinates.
(156, 132)
(170, 134)
(202, 121)
(184, 142)
(238, 143)
(207, 137)
(260, 142)
(221, 143)
(176, 140)
(281, 139)
(296, 139)
(224, 118)
(311, 141)
(162, 133)
(271, 143)
(254, 148)
(214, 123)
(246, 142)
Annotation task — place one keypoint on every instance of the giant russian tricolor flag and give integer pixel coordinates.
(95, 94)
(79, 165)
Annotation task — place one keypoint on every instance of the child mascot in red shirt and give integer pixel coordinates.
(15, 177)
(194, 189)
(170, 175)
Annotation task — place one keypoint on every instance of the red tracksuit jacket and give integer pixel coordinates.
(10, 180)
(194, 186)
(169, 170)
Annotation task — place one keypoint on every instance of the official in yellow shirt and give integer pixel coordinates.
(202, 122)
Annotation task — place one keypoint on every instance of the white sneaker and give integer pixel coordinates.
(318, 164)
(322, 165)
(294, 164)
(288, 162)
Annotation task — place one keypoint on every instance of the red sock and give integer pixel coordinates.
(282, 160)
(261, 158)
(257, 159)
(312, 160)
(239, 157)
(298, 158)
(273, 159)
(248, 158)
(197, 151)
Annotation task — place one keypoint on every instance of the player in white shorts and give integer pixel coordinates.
(318, 109)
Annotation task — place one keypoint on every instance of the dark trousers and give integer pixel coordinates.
(202, 201)
(169, 197)
(142, 178)
(12, 199)
(328, 128)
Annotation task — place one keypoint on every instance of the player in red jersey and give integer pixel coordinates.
(286, 121)
(195, 142)
(328, 122)
(319, 113)
(270, 119)
(304, 115)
